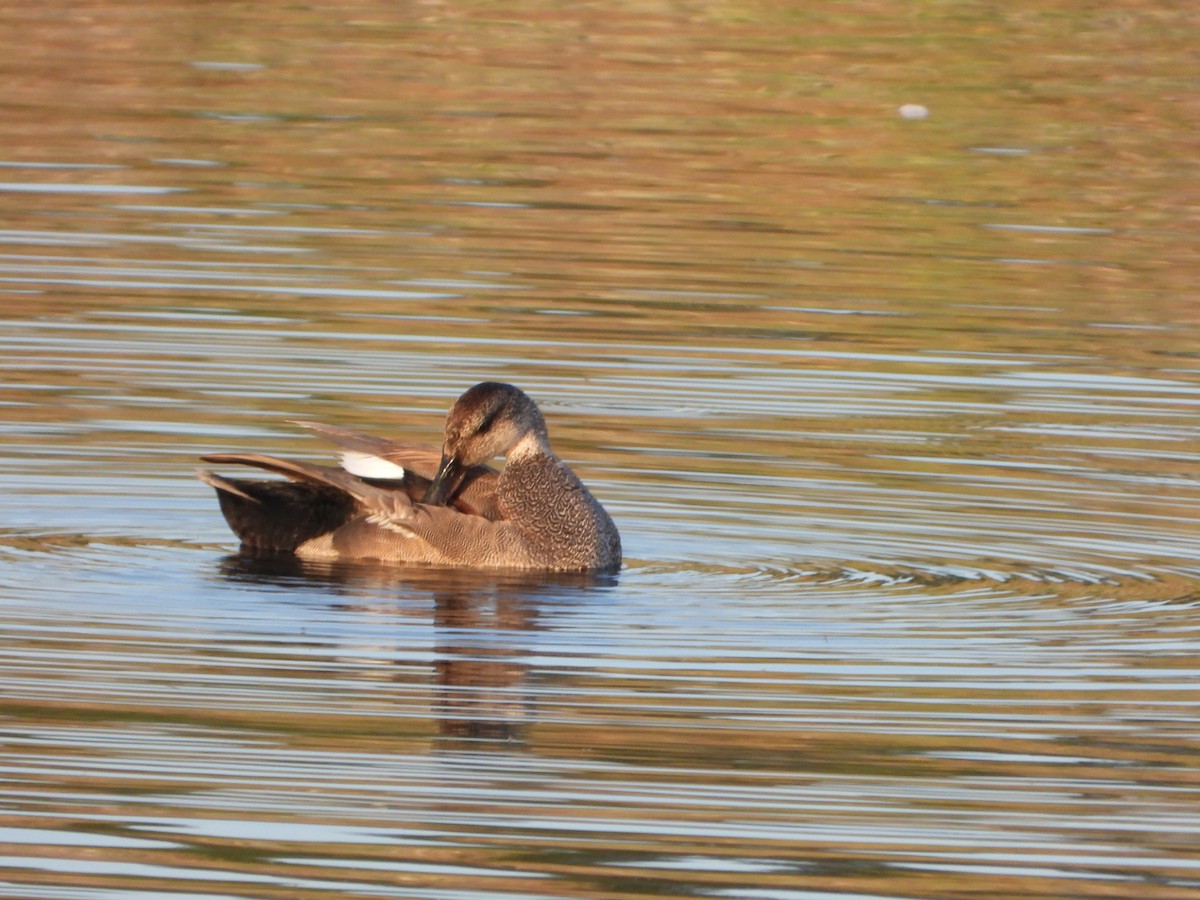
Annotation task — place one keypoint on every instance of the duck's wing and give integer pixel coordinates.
(369, 456)
(377, 460)
(280, 516)
(328, 511)
(386, 502)
(293, 470)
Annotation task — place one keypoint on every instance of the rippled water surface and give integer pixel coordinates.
(898, 418)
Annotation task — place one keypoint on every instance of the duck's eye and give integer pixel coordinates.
(488, 421)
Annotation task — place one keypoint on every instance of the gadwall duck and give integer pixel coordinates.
(408, 503)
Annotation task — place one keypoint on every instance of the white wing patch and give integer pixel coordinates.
(365, 465)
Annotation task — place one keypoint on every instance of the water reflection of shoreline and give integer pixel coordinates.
(484, 625)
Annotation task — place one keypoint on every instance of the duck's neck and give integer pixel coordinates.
(534, 443)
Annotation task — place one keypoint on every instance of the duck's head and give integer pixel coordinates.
(487, 421)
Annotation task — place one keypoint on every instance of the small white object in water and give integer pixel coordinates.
(914, 111)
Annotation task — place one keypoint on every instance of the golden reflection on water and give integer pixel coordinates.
(897, 418)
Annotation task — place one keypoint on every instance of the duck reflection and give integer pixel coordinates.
(481, 668)
(484, 624)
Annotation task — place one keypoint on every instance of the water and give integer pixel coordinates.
(898, 418)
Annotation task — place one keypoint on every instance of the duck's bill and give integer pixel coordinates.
(445, 483)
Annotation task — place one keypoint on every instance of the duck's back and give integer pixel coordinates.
(547, 501)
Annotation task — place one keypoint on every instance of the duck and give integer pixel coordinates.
(417, 504)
